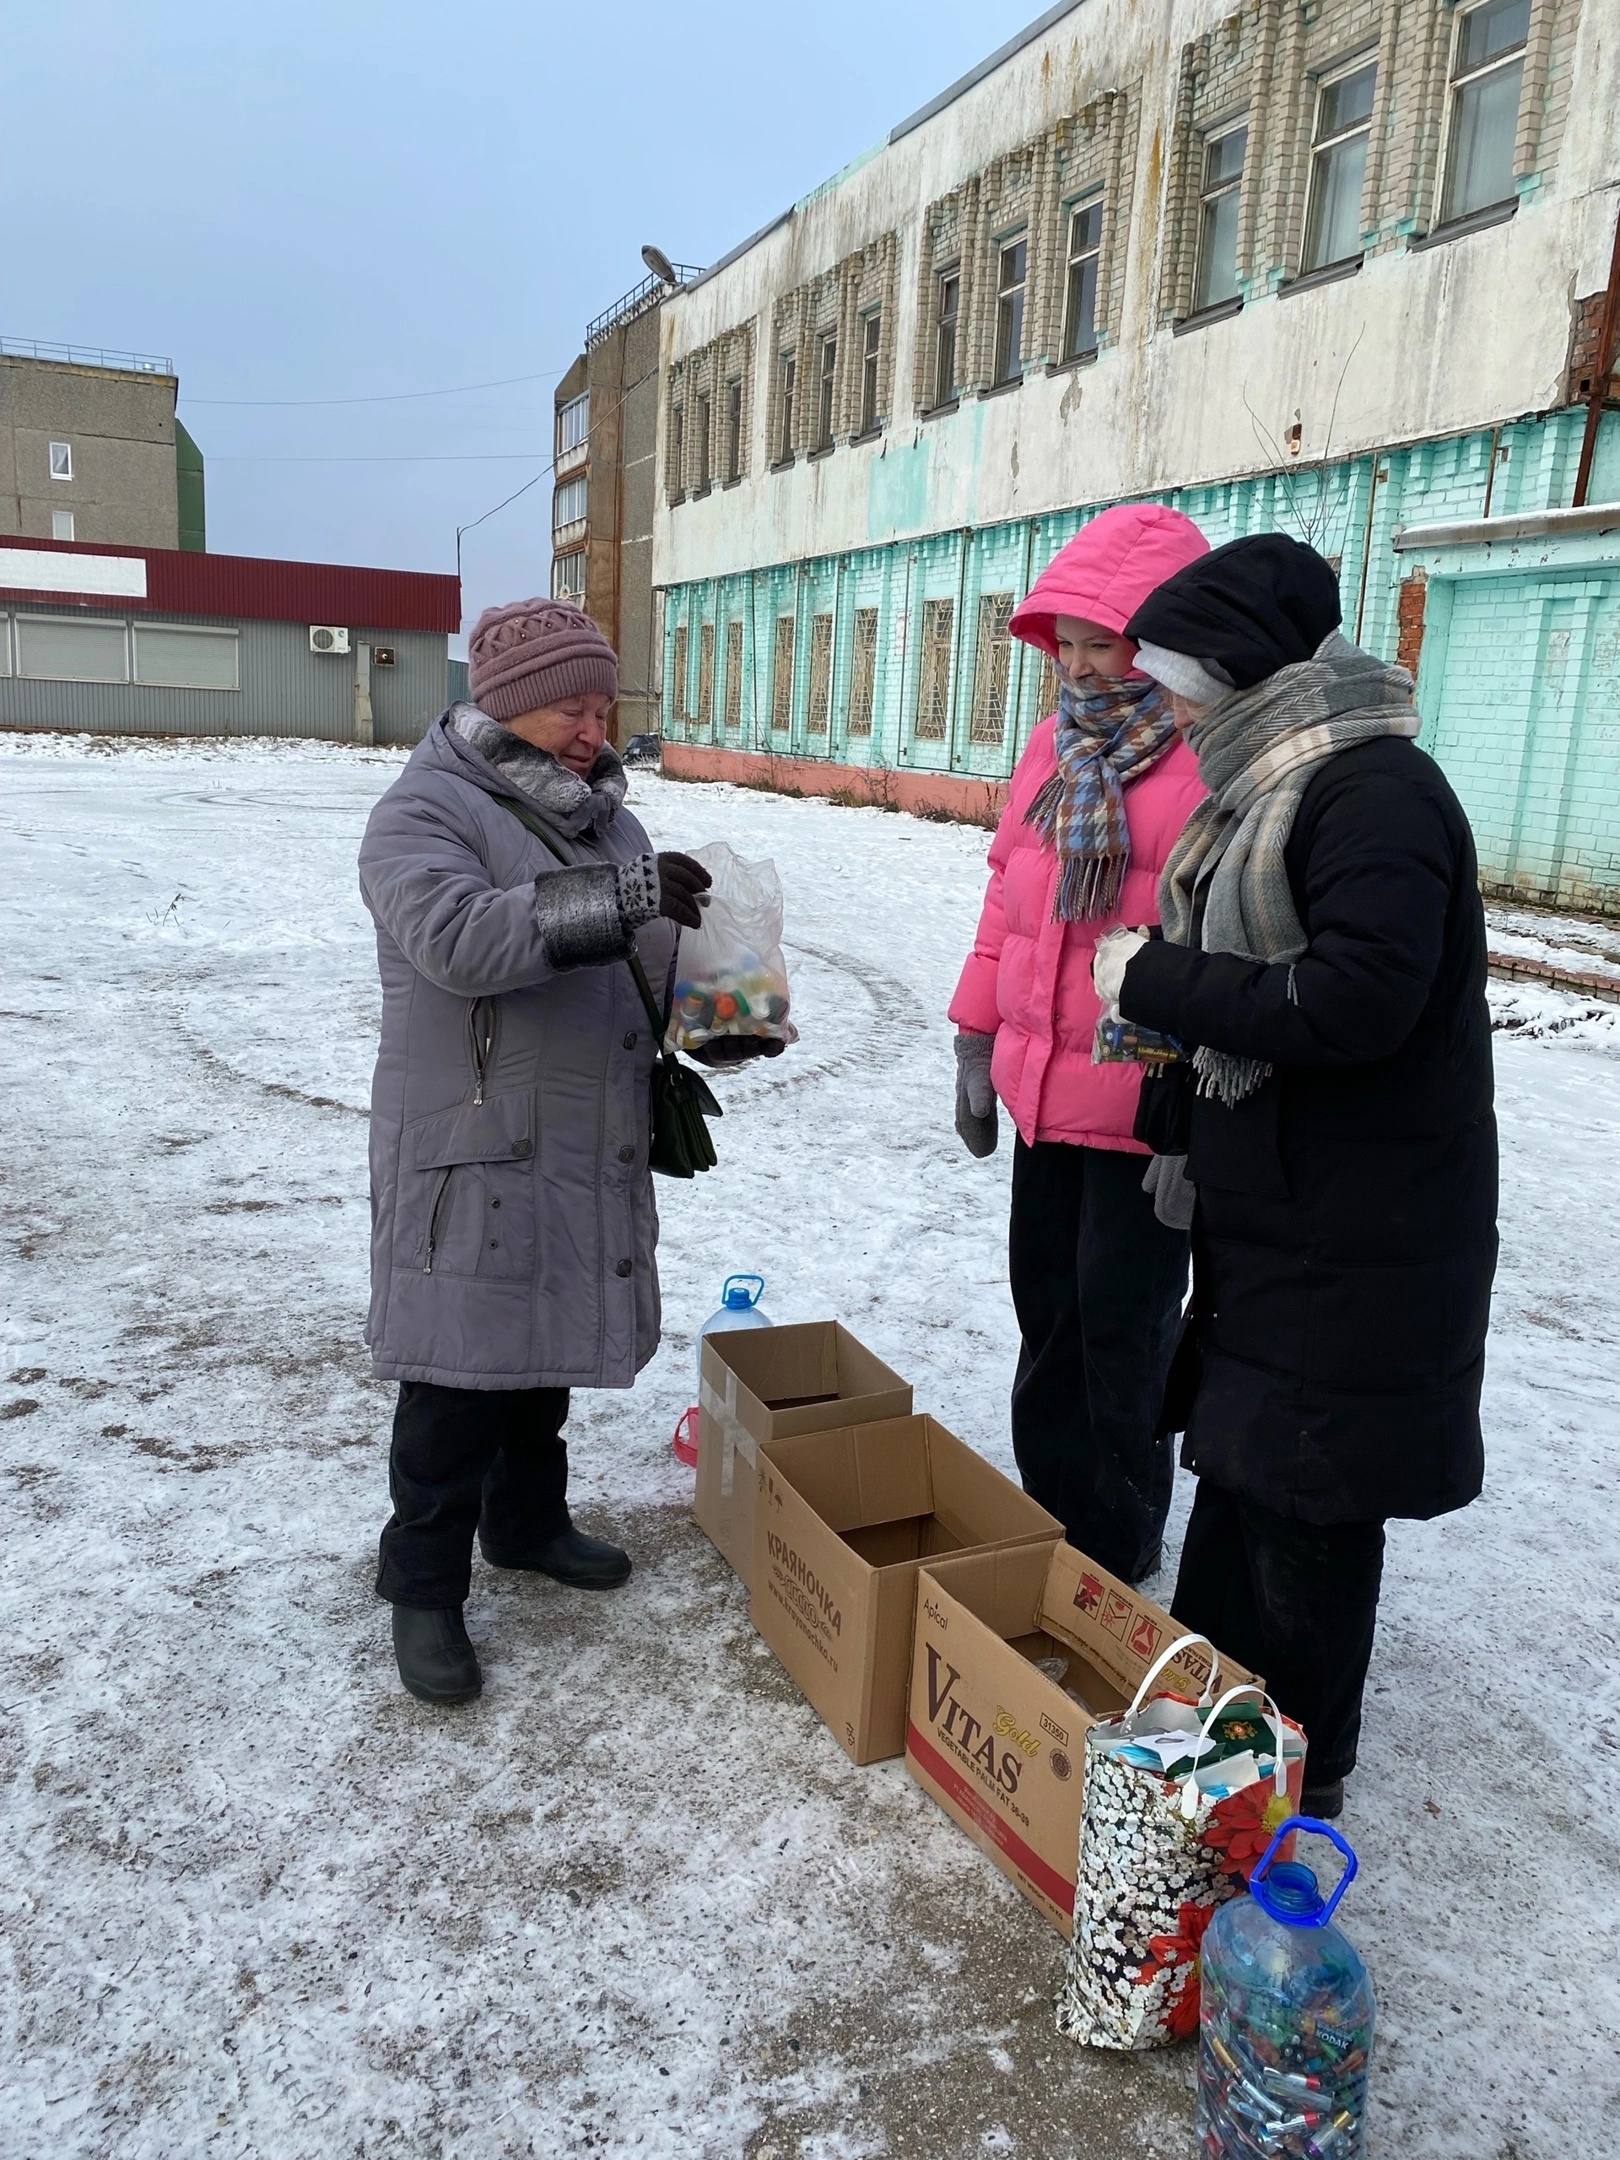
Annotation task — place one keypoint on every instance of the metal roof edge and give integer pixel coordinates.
(1522, 525)
(731, 255)
(998, 58)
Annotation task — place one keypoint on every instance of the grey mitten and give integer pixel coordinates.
(975, 1097)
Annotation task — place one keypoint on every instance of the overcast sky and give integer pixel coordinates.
(304, 202)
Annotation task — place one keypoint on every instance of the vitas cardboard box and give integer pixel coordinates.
(999, 1741)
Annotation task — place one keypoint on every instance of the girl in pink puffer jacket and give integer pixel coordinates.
(1099, 797)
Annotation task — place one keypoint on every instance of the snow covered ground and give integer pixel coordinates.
(255, 1901)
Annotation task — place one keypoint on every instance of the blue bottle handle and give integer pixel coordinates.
(758, 1294)
(1322, 1829)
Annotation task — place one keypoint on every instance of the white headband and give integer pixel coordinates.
(1200, 682)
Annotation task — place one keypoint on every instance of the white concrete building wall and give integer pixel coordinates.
(1416, 344)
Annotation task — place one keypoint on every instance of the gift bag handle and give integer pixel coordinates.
(1189, 1790)
(1169, 1658)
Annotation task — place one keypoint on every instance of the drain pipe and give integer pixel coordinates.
(1597, 394)
(1378, 473)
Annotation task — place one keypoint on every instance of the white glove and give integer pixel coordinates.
(1115, 952)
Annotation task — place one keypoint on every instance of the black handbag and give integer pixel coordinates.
(681, 1098)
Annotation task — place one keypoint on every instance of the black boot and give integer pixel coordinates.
(1325, 1802)
(584, 1563)
(436, 1661)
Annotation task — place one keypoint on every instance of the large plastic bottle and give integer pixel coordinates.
(1286, 2019)
(738, 1308)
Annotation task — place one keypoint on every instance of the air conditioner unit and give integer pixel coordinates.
(326, 637)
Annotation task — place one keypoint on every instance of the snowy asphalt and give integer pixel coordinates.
(254, 1901)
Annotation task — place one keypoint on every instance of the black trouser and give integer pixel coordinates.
(467, 1459)
(1294, 1600)
(1097, 1283)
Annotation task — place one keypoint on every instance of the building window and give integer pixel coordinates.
(61, 461)
(947, 301)
(51, 648)
(991, 658)
(731, 703)
(871, 346)
(677, 668)
(821, 644)
(1216, 278)
(677, 452)
(862, 670)
(1486, 76)
(733, 465)
(703, 472)
(1338, 168)
(573, 423)
(1080, 300)
(569, 503)
(934, 671)
(61, 524)
(1010, 311)
(5, 644)
(178, 658)
(705, 701)
(788, 369)
(568, 576)
(782, 675)
(827, 393)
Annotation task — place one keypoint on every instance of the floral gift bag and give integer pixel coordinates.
(1181, 1800)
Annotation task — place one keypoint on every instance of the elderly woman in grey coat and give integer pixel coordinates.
(513, 1224)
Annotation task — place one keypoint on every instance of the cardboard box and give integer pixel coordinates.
(763, 1384)
(845, 1520)
(997, 1743)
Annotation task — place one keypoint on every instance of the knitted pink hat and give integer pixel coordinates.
(536, 652)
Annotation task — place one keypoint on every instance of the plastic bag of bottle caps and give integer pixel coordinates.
(730, 977)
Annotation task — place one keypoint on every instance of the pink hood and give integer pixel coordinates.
(1107, 570)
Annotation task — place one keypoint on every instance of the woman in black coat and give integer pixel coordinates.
(1324, 952)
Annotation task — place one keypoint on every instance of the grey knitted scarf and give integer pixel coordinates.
(573, 804)
(1225, 886)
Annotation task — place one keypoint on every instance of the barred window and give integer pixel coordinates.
(863, 670)
(705, 703)
(782, 673)
(934, 671)
(677, 688)
(821, 640)
(731, 702)
(992, 654)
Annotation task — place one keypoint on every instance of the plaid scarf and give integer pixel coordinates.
(1103, 742)
(1225, 887)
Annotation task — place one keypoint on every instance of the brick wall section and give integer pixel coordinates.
(1409, 622)
(1586, 324)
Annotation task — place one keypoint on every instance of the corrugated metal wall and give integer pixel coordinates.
(285, 689)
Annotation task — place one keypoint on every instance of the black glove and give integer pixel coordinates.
(738, 1049)
(680, 880)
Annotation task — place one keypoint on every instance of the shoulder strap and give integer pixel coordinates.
(543, 833)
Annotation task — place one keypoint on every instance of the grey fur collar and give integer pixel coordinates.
(574, 805)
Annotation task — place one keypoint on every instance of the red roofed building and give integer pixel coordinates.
(162, 641)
